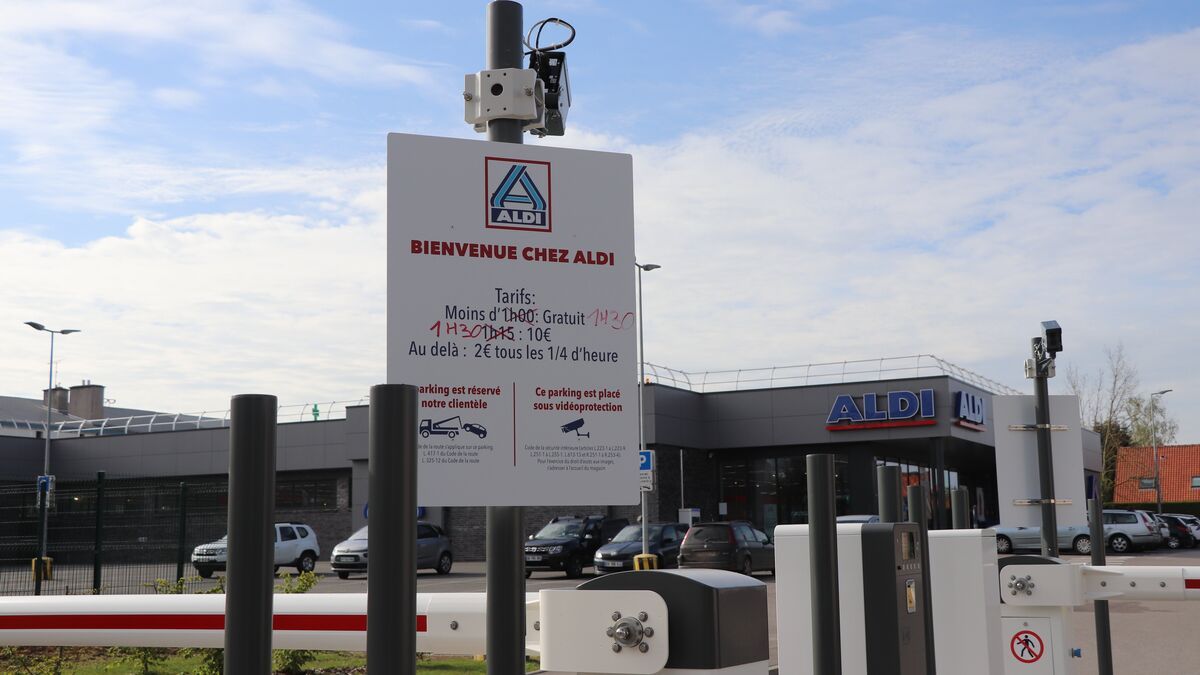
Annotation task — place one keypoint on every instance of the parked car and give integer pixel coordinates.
(735, 546)
(1179, 535)
(1162, 526)
(1127, 530)
(862, 518)
(1192, 522)
(569, 543)
(295, 546)
(433, 552)
(663, 540)
(1070, 538)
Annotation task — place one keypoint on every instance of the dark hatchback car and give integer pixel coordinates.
(663, 540)
(1180, 534)
(569, 543)
(735, 546)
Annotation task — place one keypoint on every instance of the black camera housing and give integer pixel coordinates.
(1052, 337)
(551, 69)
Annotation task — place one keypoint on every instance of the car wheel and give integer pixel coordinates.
(1082, 545)
(528, 574)
(574, 568)
(1119, 543)
(1173, 543)
(747, 566)
(1003, 544)
(204, 572)
(307, 562)
(343, 575)
(445, 563)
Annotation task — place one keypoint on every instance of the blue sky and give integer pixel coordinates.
(821, 180)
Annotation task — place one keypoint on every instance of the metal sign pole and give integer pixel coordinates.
(251, 549)
(1045, 456)
(392, 484)
(505, 524)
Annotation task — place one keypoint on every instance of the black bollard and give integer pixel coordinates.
(251, 545)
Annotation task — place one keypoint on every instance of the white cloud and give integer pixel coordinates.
(227, 34)
(950, 221)
(173, 97)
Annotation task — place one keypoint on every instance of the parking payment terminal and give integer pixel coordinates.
(893, 590)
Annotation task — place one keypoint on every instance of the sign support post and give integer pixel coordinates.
(505, 524)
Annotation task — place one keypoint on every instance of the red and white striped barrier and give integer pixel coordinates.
(447, 623)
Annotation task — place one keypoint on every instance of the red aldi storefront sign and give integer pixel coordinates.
(895, 409)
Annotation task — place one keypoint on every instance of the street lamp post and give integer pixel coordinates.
(45, 496)
(1154, 447)
(648, 267)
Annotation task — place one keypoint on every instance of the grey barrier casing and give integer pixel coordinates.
(718, 619)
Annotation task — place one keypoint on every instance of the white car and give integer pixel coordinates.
(295, 546)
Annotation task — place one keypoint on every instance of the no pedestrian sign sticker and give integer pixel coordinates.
(1027, 646)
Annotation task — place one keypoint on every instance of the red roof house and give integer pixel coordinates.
(1179, 467)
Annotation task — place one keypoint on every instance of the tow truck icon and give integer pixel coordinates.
(450, 427)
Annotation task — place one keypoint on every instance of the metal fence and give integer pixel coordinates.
(106, 534)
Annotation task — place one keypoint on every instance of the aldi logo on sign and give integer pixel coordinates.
(970, 411)
(896, 409)
(518, 194)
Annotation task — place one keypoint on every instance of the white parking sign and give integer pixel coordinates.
(511, 307)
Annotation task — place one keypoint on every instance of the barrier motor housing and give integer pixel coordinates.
(893, 581)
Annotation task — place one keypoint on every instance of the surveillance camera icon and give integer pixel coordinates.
(575, 426)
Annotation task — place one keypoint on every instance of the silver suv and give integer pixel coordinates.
(1127, 530)
(295, 546)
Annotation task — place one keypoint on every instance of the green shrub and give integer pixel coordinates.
(292, 661)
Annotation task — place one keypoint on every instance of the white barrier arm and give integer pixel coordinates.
(447, 623)
(1074, 585)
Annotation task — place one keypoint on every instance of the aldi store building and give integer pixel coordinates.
(733, 454)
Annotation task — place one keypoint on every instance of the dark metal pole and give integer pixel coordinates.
(1104, 656)
(917, 514)
(251, 550)
(823, 566)
(1045, 459)
(181, 542)
(890, 506)
(505, 524)
(98, 539)
(44, 512)
(960, 508)
(392, 485)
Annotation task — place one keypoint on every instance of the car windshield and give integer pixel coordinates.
(709, 533)
(361, 534)
(571, 528)
(854, 519)
(634, 533)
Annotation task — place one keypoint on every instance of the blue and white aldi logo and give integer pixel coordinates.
(518, 194)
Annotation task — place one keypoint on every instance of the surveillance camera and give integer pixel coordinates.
(1052, 337)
